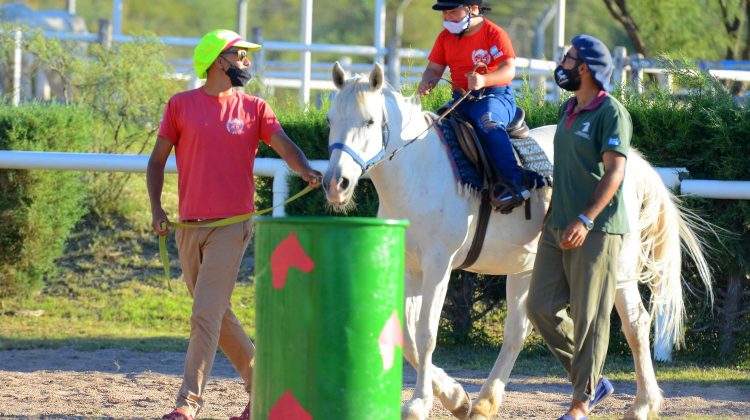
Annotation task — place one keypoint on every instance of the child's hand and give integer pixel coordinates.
(476, 81)
(425, 86)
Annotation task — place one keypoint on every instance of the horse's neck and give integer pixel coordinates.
(417, 172)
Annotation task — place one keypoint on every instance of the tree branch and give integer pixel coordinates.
(622, 15)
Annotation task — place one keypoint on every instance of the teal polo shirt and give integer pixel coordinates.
(580, 139)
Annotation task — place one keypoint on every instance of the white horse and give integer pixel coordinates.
(369, 121)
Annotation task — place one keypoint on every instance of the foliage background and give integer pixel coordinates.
(693, 27)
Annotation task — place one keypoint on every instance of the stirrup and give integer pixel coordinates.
(504, 198)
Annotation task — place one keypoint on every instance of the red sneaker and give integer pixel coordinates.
(244, 416)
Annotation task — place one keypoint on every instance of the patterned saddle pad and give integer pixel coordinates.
(536, 167)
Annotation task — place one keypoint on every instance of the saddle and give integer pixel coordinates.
(474, 149)
(474, 168)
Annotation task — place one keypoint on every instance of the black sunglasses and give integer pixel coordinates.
(568, 56)
(241, 54)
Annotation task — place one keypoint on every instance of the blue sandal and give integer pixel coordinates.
(603, 390)
(569, 417)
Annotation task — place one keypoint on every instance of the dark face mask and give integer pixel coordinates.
(237, 76)
(569, 80)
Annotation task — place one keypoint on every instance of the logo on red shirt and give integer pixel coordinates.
(235, 126)
(481, 56)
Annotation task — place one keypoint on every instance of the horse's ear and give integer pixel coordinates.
(376, 77)
(339, 76)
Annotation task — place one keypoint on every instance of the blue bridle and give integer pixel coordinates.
(367, 164)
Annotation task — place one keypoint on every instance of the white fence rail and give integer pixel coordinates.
(269, 167)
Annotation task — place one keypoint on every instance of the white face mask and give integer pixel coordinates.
(457, 27)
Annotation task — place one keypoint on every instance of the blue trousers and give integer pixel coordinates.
(490, 116)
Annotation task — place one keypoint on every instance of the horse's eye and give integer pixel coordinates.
(370, 122)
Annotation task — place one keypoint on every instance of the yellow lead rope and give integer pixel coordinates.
(216, 223)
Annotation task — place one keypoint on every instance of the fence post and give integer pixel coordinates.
(116, 17)
(637, 72)
(17, 56)
(242, 18)
(105, 34)
(256, 36)
(667, 82)
(306, 56)
(393, 64)
(379, 35)
(620, 59)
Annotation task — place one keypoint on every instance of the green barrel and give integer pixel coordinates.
(329, 318)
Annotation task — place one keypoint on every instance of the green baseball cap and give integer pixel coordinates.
(212, 44)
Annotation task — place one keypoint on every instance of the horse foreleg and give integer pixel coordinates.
(451, 394)
(517, 327)
(434, 286)
(636, 324)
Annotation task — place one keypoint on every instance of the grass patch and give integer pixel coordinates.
(534, 361)
(132, 315)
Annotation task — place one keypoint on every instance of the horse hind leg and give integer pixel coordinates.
(517, 327)
(636, 324)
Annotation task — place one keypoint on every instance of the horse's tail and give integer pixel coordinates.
(664, 225)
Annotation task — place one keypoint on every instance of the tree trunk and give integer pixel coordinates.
(619, 10)
(730, 309)
(735, 27)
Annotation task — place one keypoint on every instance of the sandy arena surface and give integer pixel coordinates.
(67, 383)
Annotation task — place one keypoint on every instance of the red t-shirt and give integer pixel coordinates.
(216, 140)
(490, 45)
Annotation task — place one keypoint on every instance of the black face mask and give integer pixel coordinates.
(237, 76)
(569, 80)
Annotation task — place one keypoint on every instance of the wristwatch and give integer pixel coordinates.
(588, 223)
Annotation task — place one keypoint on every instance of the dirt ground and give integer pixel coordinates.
(67, 383)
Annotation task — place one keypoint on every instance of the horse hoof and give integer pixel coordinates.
(415, 409)
(464, 409)
(458, 401)
(634, 413)
(482, 409)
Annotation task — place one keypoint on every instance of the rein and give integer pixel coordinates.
(216, 223)
(380, 157)
(435, 122)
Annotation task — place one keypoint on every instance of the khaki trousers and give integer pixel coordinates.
(210, 259)
(582, 281)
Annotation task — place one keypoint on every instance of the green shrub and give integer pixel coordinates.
(126, 89)
(706, 132)
(38, 208)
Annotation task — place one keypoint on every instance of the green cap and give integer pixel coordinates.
(214, 43)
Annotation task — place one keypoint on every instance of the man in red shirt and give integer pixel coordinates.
(469, 39)
(215, 131)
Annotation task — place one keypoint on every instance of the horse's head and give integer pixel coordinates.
(359, 132)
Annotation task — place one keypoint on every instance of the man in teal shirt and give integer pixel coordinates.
(573, 287)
